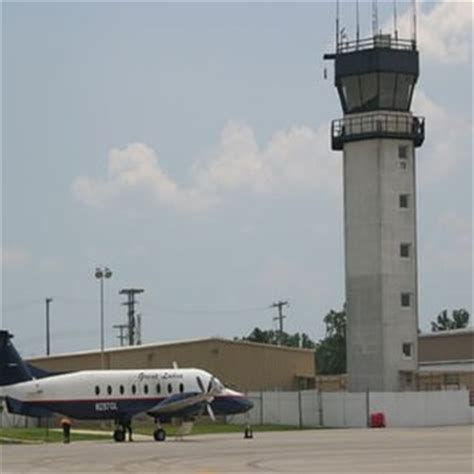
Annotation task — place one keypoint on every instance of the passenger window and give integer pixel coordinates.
(181, 387)
(134, 389)
(158, 388)
(97, 390)
(170, 388)
(145, 388)
(122, 390)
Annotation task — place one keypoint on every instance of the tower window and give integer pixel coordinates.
(404, 201)
(405, 250)
(407, 350)
(406, 300)
(403, 152)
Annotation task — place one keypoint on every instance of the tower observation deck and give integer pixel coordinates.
(376, 77)
(375, 80)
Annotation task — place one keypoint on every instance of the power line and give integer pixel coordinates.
(207, 311)
(18, 306)
(83, 300)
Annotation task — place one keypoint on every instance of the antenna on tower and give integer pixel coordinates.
(414, 22)
(357, 23)
(395, 20)
(375, 18)
(337, 24)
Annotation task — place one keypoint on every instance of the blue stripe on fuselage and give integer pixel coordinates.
(119, 408)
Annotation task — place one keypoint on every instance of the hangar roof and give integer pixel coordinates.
(451, 332)
(214, 339)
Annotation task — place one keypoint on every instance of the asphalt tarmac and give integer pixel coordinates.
(444, 449)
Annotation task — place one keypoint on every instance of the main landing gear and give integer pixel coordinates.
(159, 434)
(121, 428)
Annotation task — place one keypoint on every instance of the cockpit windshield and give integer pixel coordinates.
(218, 384)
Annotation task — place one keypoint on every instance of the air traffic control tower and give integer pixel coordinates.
(375, 79)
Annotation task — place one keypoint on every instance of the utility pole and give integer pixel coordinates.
(48, 345)
(121, 336)
(138, 332)
(130, 303)
(280, 318)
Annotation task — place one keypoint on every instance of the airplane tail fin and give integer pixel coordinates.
(12, 367)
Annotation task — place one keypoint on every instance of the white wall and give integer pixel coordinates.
(423, 408)
(310, 408)
(345, 409)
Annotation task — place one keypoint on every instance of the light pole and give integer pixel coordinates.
(48, 344)
(100, 274)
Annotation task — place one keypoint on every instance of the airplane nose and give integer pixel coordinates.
(247, 404)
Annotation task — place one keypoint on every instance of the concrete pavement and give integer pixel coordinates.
(444, 449)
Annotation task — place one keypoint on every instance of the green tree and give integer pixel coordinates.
(331, 351)
(273, 337)
(458, 320)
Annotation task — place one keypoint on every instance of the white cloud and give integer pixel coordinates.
(293, 161)
(13, 257)
(297, 159)
(446, 136)
(450, 244)
(444, 30)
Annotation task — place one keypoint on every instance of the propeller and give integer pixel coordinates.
(209, 395)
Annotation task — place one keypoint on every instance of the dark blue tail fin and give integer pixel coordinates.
(12, 367)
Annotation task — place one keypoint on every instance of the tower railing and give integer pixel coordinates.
(377, 125)
(379, 41)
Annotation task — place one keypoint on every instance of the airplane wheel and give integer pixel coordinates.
(159, 434)
(119, 435)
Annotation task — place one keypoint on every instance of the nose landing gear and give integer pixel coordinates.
(159, 434)
(248, 432)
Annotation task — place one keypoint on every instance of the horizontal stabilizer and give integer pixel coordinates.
(12, 367)
(38, 373)
(19, 408)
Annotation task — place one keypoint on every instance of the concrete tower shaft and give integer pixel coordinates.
(375, 79)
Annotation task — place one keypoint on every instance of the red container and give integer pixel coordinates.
(377, 420)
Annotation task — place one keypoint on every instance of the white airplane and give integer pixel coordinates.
(118, 395)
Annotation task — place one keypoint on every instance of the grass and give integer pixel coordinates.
(41, 435)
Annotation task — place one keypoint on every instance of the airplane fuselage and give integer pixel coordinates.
(118, 394)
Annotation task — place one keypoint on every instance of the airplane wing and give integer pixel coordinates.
(181, 403)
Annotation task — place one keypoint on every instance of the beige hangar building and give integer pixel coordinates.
(446, 362)
(246, 366)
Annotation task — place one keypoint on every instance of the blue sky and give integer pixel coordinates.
(186, 146)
